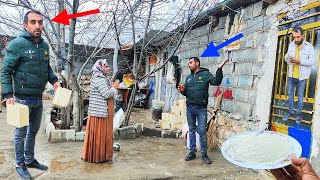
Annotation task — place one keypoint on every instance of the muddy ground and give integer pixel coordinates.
(140, 158)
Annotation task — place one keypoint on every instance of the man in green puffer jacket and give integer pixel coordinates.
(25, 72)
(196, 91)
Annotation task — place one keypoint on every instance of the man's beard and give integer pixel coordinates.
(34, 35)
(298, 42)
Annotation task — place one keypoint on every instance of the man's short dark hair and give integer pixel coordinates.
(196, 59)
(25, 18)
(298, 29)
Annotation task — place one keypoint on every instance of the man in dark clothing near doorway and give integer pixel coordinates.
(196, 91)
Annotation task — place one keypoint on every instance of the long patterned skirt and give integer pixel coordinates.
(98, 143)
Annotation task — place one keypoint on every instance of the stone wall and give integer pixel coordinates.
(226, 125)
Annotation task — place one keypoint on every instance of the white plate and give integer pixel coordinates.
(250, 149)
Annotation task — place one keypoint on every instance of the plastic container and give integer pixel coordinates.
(197, 141)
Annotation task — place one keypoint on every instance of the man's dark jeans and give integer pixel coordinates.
(198, 115)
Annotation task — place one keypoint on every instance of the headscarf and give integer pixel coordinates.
(99, 65)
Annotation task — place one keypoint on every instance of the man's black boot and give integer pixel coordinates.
(206, 159)
(190, 156)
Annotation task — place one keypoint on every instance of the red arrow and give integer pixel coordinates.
(63, 17)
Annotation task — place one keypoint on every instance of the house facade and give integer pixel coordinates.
(255, 79)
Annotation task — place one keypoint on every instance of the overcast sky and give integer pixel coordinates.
(165, 15)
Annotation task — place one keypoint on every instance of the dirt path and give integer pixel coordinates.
(140, 158)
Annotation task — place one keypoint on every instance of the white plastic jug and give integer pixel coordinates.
(197, 141)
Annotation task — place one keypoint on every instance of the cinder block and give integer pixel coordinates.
(161, 123)
(116, 134)
(244, 108)
(63, 135)
(228, 105)
(211, 90)
(175, 110)
(175, 118)
(252, 96)
(139, 129)
(249, 43)
(255, 24)
(165, 116)
(70, 135)
(227, 69)
(165, 124)
(203, 40)
(245, 81)
(230, 81)
(176, 126)
(170, 134)
(236, 57)
(128, 132)
(182, 103)
(249, 55)
(80, 136)
(184, 119)
(218, 36)
(241, 95)
(257, 68)
(211, 101)
(244, 69)
(151, 132)
(248, 12)
(257, 8)
(260, 38)
(268, 22)
(175, 103)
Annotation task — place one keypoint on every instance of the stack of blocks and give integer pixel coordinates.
(176, 118)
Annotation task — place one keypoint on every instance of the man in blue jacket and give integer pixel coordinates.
(25, 72)
(196, 91)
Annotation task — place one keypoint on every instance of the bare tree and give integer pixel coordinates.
(56, 34)
(188, 15)
(126, 21)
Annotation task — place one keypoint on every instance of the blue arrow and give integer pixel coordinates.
(212, 50)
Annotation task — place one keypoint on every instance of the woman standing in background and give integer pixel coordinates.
(98, 143)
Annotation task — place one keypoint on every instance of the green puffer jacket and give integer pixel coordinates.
(28, 63)
(197, 85)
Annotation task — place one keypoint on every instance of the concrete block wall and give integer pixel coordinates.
(243, 73)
